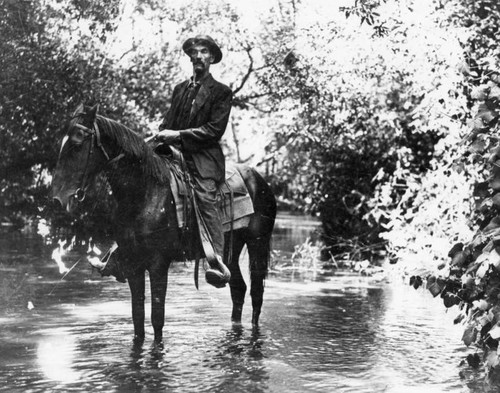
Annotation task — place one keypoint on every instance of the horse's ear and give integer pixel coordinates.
(78, 110)
(92, 113)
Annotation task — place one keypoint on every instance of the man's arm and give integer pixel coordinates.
(199, 138)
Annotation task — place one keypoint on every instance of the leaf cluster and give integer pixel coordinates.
(366, 11)
(470, 275)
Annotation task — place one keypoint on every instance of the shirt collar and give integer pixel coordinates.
(199, 82)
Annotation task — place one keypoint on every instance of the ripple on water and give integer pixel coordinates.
(345, 334)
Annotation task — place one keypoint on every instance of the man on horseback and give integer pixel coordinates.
(194, 123)
(148, 232)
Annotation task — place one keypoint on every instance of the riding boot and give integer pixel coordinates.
(218, 275)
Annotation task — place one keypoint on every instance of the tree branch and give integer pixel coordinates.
(236, 142)
(249, 71)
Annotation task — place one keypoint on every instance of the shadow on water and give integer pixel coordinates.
(319, 333)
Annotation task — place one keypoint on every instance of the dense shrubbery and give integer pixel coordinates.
(470, 278)
(457, 201)
(365, 124)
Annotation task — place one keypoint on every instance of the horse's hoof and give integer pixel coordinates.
(158, 343)
(215, 278)
(138, 341)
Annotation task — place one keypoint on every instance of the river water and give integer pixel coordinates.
(320, 332)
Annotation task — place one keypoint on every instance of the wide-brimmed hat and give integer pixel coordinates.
(204, 40)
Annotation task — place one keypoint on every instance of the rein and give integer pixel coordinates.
(94, 133)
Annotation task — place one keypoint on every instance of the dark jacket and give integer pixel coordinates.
(207, 123)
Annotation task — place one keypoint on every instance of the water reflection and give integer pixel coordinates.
(330, 328)
(55, 356)
(240, 356)
(229, 361)
(319, 333)
(291, 230)
(341, 334)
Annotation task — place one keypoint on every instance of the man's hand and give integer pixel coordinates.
(169, 137)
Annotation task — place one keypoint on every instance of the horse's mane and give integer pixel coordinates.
(134, 146)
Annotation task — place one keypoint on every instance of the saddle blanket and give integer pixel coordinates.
(242, 203)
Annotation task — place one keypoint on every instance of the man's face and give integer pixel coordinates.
(201, 57)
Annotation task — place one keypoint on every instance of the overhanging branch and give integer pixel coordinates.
(248, 49)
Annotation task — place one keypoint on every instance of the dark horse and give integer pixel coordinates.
(146, 225)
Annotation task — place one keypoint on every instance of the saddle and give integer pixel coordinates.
(234, 201)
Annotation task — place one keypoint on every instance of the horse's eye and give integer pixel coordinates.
(78, 136)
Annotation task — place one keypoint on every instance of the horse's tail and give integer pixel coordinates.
(260, 255)
(262, 224)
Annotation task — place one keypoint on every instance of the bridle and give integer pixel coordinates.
(95, 135)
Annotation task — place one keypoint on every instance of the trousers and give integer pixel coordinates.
(205, 192)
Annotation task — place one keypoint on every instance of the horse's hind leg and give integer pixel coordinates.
(137, 286)
(158, 276)
(236, 283)
(258, 252)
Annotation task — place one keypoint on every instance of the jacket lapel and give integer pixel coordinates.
(202, 96)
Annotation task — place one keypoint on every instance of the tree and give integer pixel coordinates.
(456, 202)
(54, 57)
(369, 115)
(39, 80)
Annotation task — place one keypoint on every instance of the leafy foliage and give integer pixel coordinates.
(54, 57)
(39, 80)
(341, 136)
(360, 128)
(366, 11)
(439, 210)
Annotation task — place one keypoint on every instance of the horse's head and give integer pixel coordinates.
(81, 157)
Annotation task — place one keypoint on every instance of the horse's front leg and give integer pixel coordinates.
(136, 283)
(158, 275)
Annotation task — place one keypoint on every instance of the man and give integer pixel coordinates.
(195, 123)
